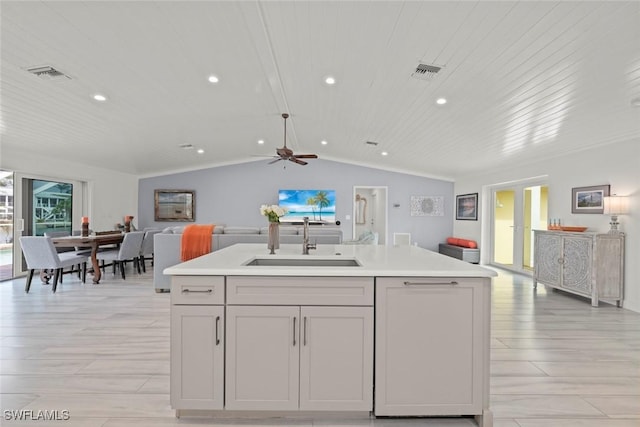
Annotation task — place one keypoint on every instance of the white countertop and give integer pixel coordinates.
(375, 260)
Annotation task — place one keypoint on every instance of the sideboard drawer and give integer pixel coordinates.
(293, 290)
(197, 290)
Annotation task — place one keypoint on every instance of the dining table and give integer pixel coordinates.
(92, 242)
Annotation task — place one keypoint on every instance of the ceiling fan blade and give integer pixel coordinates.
(306, 156)
(273, 161)
(300, 162)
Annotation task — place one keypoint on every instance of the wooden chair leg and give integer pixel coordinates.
(29, 278)
(56, 277)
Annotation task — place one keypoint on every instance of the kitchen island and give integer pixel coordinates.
(290, 334)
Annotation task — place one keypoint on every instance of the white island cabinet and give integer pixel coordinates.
(197, 342)
(432, 342)
(288, 333)
(324, 351)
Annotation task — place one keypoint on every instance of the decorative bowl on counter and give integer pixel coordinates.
(570, 228)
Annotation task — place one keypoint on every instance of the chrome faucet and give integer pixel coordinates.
(305, 238)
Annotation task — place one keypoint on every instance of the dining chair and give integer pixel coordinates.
(146, 252)
(129, 251)
(40, 253)
(54, 234)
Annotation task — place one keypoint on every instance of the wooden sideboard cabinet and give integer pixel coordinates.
(587, 264)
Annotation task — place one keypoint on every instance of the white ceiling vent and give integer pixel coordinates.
(47, 72)
(426, 72)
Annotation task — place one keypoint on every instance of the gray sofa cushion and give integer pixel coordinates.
(284, 230)
(316, 231)
(179, 229)
(234, 229)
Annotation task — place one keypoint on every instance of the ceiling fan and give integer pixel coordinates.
(285, 153)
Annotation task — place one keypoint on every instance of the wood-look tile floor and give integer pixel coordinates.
(101, 352)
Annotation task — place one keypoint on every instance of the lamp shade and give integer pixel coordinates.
(616, 205)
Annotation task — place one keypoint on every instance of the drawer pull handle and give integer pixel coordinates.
(294, 331)
(217, 330)
(452, 283)
(206, 291)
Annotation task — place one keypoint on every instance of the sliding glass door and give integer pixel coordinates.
(518, 209)
(6, 225)
(43, 204)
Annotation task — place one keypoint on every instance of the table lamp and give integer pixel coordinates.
(614, 206)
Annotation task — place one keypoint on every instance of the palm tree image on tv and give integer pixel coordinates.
(317, 205)
(311, 201)
(323, 201)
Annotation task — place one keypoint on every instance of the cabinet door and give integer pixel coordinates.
(431, 346)
(336, 358)
(197, 357)
(548, 259)
(262, 365)
(577, 256)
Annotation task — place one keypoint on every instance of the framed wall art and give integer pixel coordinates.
(174, 205)
(467, 207)
(589, 200)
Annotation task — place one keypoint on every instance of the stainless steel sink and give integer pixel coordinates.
(303, 262)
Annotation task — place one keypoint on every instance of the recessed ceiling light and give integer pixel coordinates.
(441, 101)
(99, 97)
(200, 151)
(323, 142)
(261, 141)
(213, 79)
(384, 153)
(330, 80)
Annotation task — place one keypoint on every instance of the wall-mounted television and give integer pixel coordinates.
(318, 205)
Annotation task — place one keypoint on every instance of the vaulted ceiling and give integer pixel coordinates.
(524, 81)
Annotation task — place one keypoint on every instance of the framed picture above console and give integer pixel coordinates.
(589, 200)
(174, 205)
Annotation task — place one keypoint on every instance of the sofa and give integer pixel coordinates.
(166, 245)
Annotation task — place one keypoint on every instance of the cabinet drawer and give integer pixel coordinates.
(289, 290)
(197, 290)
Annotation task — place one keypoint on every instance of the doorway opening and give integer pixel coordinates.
(370, 212)
(518, 209)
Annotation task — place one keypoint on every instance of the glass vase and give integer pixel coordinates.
(274, 237)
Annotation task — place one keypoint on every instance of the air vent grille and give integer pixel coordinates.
(47, 72)
(426, 72)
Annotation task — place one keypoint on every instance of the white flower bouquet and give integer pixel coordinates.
(273, 212)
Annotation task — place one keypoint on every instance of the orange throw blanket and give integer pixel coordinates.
(196, 241)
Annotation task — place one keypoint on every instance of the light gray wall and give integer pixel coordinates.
(233, 194)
